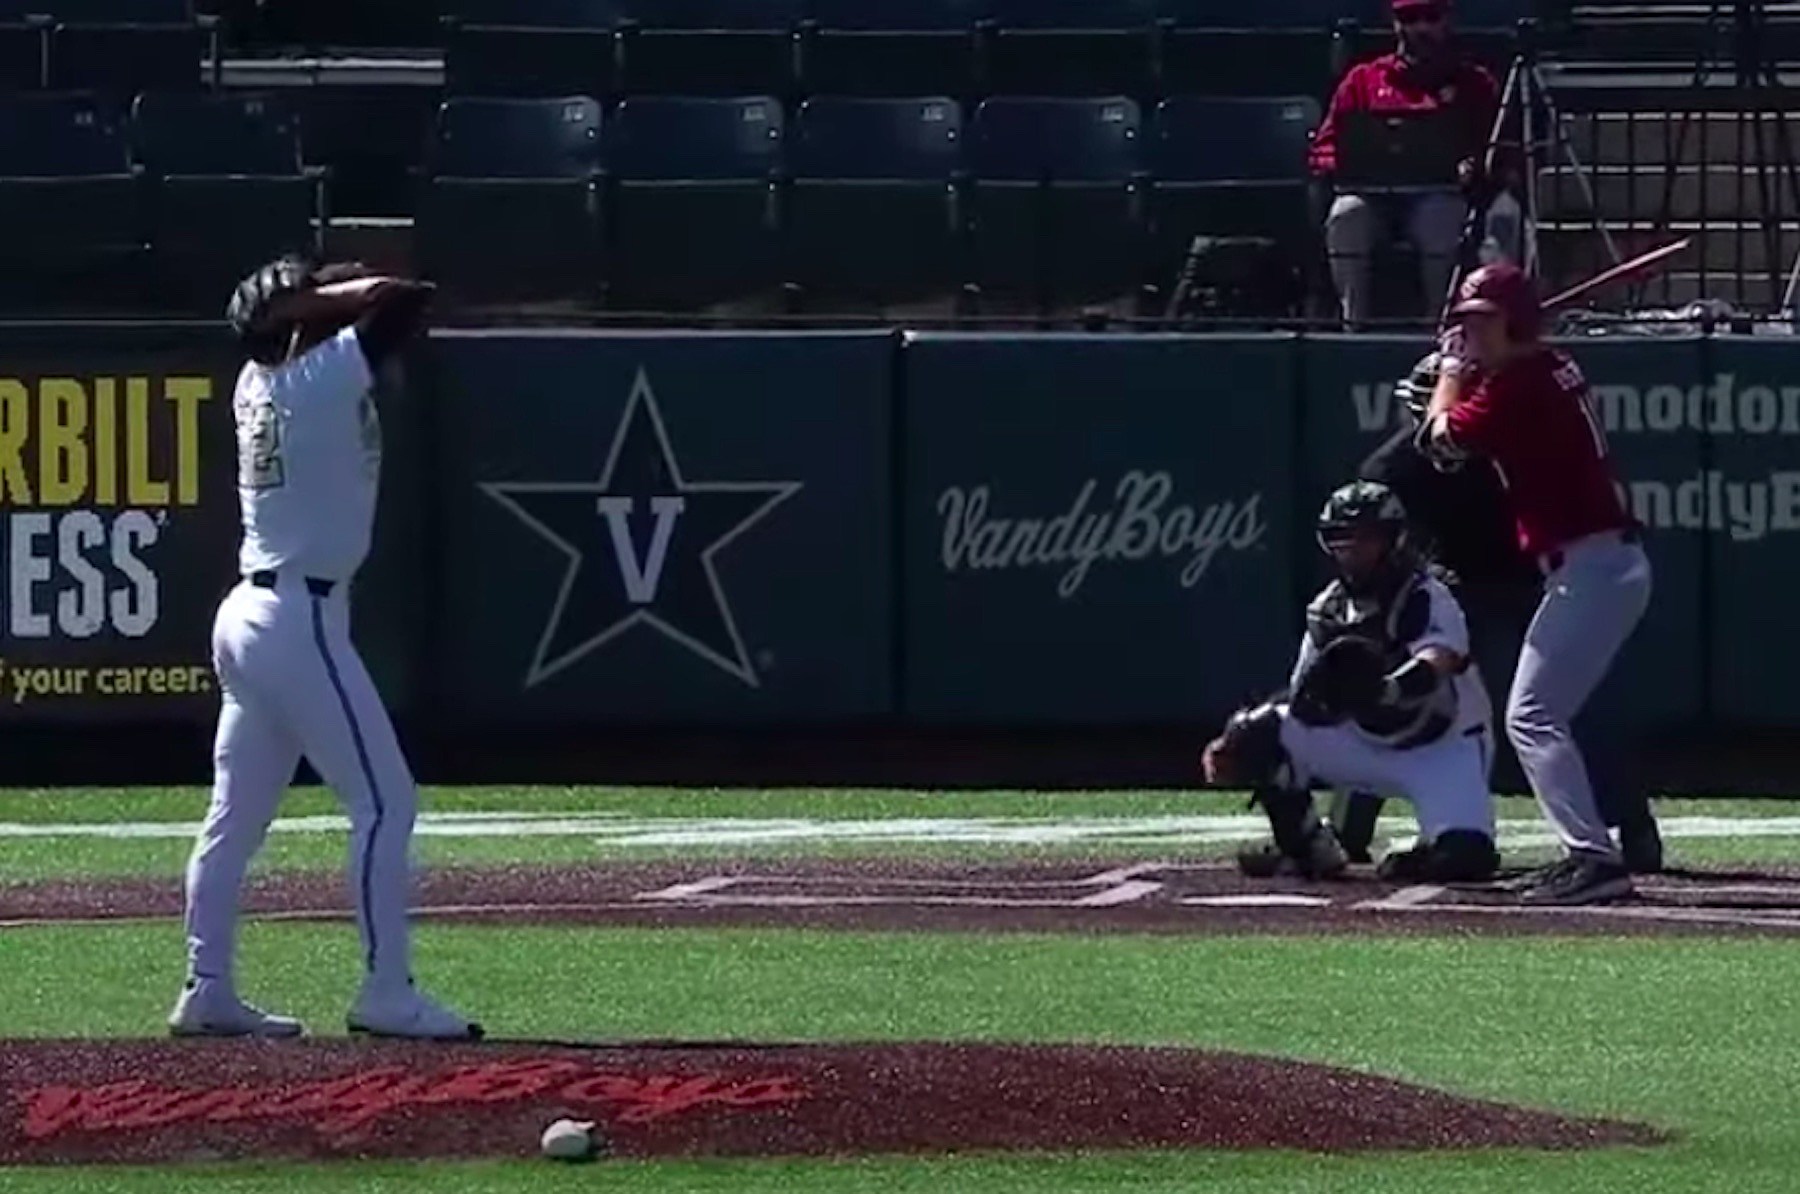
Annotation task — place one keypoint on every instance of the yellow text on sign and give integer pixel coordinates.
(27, 682)
(68, 441)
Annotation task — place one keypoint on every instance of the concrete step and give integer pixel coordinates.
(1680, 136)
(1742, 247)
(1698, 194)
(1712, 269)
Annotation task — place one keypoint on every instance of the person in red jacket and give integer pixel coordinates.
(1529, 411)
(1425, 73)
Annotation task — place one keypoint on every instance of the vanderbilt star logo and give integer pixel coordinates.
(640, 543)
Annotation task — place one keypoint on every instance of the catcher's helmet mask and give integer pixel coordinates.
(1363, 529)
(1414, 391)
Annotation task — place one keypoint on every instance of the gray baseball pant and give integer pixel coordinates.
(1594, 597)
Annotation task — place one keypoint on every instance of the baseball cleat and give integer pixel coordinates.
(1411, 865)
(406, 1013)
(208, 1008)
(1523, 881)
(1324, 860)
(1582, 879)
(1260, 861)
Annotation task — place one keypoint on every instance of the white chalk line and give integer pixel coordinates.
(619, 831)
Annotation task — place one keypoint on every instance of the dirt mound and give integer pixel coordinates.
(137, 1101)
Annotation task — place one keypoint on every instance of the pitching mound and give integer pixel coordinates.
(138, 1101)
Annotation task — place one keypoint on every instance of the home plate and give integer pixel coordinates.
(1274, 899)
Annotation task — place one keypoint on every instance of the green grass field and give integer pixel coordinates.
(1689, 1034)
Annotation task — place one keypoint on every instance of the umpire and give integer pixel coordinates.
(1462, 519)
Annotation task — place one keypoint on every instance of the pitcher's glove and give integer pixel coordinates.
(1348, 679)
(256, 312)
(251, 309)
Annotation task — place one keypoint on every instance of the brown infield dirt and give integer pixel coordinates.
(159, 1101)
(141, 1101)
(1194, 897)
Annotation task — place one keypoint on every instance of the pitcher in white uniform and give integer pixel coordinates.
(290, 680)
(1429, 739)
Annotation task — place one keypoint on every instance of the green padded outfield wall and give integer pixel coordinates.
(586, 528)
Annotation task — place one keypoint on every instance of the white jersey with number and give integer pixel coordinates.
(309, 461)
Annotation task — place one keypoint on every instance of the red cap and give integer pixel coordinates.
(1502, 289)
(1403, 5)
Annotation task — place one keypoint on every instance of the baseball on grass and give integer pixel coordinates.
(569, 1140)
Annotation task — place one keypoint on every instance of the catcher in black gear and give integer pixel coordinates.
(1460, 517)
(1383, 698)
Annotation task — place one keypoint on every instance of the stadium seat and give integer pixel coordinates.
(228, 187)
(338, 25)
(874, 212)
(695, 202)
(511, 209)
(532, 47)
(1231, 167)
(1072, 47)
(1272, 14)
(122, 47)
(1276, 48)
(891, 47)
(1057, 203)
(68, 187)
(103, 12)
(710, 47)
(24, 54)
(372, 137)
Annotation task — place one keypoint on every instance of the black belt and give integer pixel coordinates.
(314, 585)
(1555, 560)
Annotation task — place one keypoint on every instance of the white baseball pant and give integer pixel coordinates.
(292, 683)
(1445, 781)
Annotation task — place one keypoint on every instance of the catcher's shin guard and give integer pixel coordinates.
(1303, 841)
(1353, 816)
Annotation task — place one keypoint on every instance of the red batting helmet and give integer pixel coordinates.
(1504, 289)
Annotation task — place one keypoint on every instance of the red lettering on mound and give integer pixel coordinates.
(343, 1108)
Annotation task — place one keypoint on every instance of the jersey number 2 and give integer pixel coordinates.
(259, 451)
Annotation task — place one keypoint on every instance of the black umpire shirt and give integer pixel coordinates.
(1463, 515)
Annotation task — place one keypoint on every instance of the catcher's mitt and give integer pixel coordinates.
(1347, 680)
(1247, 751)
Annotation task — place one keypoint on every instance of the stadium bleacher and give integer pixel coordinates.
(1014, 158)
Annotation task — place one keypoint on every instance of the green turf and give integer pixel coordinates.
(33, 858)
(45, 805)
(95, 858)
(1690, 1034)
(1687, 1033)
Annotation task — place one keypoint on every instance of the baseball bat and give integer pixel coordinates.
(1625, 269)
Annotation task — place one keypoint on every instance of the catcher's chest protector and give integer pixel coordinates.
(1397, 625)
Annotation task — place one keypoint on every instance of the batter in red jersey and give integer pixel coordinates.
(1530, 413)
